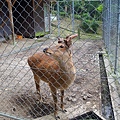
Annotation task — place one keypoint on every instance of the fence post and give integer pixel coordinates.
(118, 38)
(109, 26)
(11, 19)
(58, 18)
(73, 16)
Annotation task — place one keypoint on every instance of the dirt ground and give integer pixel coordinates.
(17, 88)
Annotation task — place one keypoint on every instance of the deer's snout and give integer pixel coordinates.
(45, 50)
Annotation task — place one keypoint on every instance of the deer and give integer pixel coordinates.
(54, 65)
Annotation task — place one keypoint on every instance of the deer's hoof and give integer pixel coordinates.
(64, 111)
(37, 92)
(57, 117)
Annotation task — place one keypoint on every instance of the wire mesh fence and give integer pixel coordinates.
(111, 36)
(63, 44)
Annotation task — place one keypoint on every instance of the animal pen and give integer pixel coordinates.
(30, 27)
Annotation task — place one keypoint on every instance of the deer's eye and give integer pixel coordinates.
(61, 46)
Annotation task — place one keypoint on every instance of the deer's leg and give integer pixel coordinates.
(54, 95)
(37, 82)
(62, 104)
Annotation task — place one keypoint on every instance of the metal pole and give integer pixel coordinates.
(58, 18)
(109, 28)
(10, 116)
(105, 22)
(118, 38)
(73, 16)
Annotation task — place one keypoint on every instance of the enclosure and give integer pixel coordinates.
(27, 27)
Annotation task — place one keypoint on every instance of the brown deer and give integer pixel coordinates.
(55, 66)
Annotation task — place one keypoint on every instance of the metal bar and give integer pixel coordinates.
(105, 25)
(73, 28)
(10, 116)
(85, 0)
(109, 28)
(104, 18)
(118, 38)
(58, 17)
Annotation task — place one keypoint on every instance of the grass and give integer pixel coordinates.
(40, 34)
(66, 29)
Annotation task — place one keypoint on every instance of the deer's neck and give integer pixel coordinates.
(67, 67)
(67, 72)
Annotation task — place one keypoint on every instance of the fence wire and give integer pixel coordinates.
(28, 27)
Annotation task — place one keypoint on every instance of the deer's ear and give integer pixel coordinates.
(72, 36)
(68, 36)
(60, 40)
(68, 43)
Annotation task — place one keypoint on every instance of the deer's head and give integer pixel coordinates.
(62, 49)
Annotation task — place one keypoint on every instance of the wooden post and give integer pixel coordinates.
(78, 32)
(11, 19)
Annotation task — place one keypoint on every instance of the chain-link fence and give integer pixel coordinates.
(64, 41)
(111, 39)
(111, 36)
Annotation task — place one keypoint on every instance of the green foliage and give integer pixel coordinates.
(100, 8)
(86, 16)
(89, 22)
(62, 14)
(88, 12)
(89, 26)
(54, 12)
(78, 17)
(40, 34)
